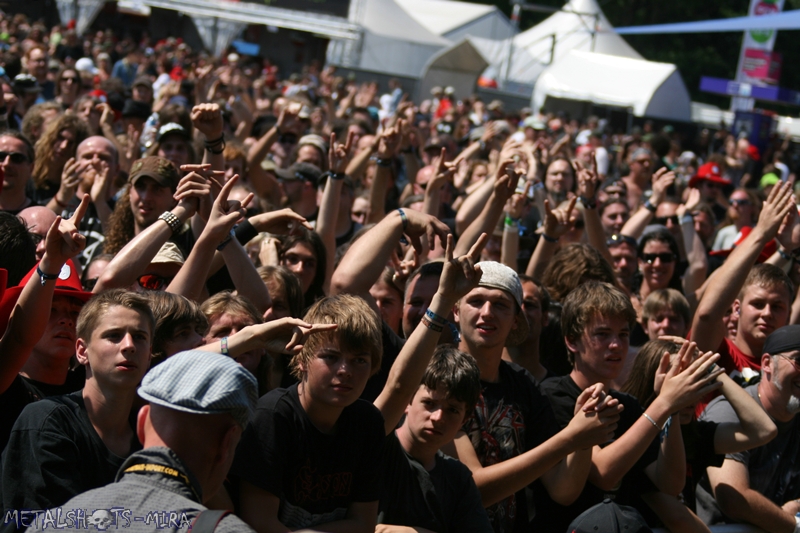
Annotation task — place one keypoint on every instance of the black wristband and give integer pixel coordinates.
(383, 162)
(245, 232)
(588, 203)
(548, 238)
(650, 207)
(337, 175)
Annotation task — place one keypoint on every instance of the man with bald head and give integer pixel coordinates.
(38, 220)
(92, 173)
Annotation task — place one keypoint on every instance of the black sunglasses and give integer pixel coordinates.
(663, 220)
(618, 239)
(15, 157)
(88, 285)
(666, 257)
(153, 282)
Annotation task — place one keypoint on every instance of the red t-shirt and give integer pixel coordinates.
(738, 365)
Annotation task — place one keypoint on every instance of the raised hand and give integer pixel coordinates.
(506, 184)
(691, 203)
(71, 177)
(444, 173)
(281, 222)
(588, 179)
(789, 233)
(662, 179)
(63, 240)
(390, 139)
(462, 274)
(684, 387)
(559, 221)
(595, 419)
(207, 119)
(225, 213)
(194, 193)
(287, 335)
(101, 184)
(775, 209)
(339, 154)
(420, 224)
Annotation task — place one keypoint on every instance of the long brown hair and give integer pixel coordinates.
(121, 227)
(643, 373)
(44, 146)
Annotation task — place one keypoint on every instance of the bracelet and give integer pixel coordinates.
(548, 238)
(172, 221)
(223, 346)
(433, 317)
(383, 162)
(337, 175)
(783, 254)
(430, 325)
(59, 202)
(665, 429)
(588, 203)
(511, 222)
(650, 419)
(404, 219)
(713, 368)
(538, 185)
(44, 278)
(228, 239)
(211, 144)
(649, 206)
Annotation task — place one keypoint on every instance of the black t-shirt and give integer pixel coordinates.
(54, 453)
(510, 418)
(698, 441)
(392, 344)
(23, 391)
(316, 475)
(444, 499)
(563, 392)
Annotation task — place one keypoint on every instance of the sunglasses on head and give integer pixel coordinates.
(153, 282)
(15, 157)
(663, 220)
(666, 257)
(617, 239)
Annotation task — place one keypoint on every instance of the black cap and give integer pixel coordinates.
(300, 171)
(608, 517)
(25, 83)
(783, 340)
(136, 109)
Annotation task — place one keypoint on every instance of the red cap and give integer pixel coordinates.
(708, 172)
(176, 73)
(770, 248)
(753, 152)
(67, 284)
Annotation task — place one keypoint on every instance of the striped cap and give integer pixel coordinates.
(202, 383)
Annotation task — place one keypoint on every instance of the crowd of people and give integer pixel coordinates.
(236, 300)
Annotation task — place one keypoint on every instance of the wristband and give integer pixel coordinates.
(223, 346)
(404, 219)
(383, 162)
(430, 325)
(655, 425)
(511, 222)
(433, 317)
(783, 254)
(587, 202)
(44, 278)
(665, 429)
(227, 240)
(649, 206)
(172, 221)
(219, 142)
(538, 185)
(687, 219)
(548, 238)
(797, 523)
(337, 175)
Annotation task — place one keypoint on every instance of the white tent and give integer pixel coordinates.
(650, 89)
(580, 25)
(456, 20)
(392, 42)
(458, 68)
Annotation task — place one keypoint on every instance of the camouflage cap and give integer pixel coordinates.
(162, 170)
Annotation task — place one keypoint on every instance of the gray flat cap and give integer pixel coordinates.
(202, 383)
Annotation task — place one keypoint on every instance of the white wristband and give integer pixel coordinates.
(797, 523)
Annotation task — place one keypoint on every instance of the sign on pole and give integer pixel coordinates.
(757, 63)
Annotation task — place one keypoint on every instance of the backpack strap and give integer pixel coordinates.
(207, 521)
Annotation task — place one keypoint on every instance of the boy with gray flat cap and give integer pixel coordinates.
(199, 405)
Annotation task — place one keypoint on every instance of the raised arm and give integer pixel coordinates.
(364, 262)
(504, 187)
(727, 281)
(588, 183)
(697, 271)
(635, 225)
(753, 428)
(263, 184)
(207, 119)
(556, 223)
(459, 276)
(32, 311)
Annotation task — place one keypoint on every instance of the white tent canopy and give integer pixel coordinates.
(650, 89)
(458, 68)
(457, 20)
(392, 42)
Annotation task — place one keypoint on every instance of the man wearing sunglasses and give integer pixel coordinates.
(709, 182)
(761, 486)
(16, 162)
